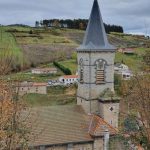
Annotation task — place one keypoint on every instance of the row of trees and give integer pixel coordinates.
(75, 24)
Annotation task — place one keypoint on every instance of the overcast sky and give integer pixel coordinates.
(133, 15)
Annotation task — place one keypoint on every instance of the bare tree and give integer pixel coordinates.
(14, 128)
(137, 95)
(5, 61)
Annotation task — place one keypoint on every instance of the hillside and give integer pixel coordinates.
(38, 46)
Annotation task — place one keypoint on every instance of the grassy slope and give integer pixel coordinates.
(41, 43)
(56, 96)
(44, 37)
(8, 42)
(63, 38)
(71, 64)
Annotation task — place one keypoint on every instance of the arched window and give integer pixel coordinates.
(81, 70)
(100, 71)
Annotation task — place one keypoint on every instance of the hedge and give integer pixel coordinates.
(65, 70)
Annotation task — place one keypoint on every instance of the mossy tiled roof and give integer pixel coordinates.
(65, 124)
(59, 125)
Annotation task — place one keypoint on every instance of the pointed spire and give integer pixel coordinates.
(95, 36)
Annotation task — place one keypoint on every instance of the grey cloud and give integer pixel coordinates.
(133, 15)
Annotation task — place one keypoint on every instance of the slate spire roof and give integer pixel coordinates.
(95, 36)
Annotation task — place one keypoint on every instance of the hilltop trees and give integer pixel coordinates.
(78, 24)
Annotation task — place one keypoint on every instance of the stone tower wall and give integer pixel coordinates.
(88, 91)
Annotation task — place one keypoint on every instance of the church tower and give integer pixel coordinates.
(95, 64)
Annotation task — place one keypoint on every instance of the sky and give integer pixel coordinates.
(133, 15)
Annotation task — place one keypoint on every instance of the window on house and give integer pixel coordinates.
(124, 76)
(42, 148)
(100, 71)
(111, 122)
(81, 71)
(70, 147)
(37, 89)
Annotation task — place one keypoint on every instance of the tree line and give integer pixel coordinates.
(75, 24)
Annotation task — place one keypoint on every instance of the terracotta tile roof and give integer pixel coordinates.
(70, 76)
(44, 69)
(39, 84)
(98, 126)
(59, 125)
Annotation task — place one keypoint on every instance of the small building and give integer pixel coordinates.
(44, 71)
(31, 87)
(120, 67)
(126, 75)
(68, 79)
(130, 51)
(64, 25)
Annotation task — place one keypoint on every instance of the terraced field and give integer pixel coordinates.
(35, 46)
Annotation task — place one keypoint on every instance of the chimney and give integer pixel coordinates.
(106, 139)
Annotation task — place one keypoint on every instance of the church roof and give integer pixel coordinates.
(56, 125)
(95, 36)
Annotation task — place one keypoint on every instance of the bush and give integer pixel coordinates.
(62, 68)
(30, 32)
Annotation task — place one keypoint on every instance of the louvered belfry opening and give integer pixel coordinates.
(100, 71)
(100, 78)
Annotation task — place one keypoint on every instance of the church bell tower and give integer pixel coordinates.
(95, 63)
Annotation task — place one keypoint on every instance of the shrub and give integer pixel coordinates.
(30, 32)
(62, 68)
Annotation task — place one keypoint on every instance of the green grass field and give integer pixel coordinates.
(8, 44)
(56, 96)
(133, 61)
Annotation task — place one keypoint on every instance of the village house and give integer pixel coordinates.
(120, 67)
(129, 51)
(91, 123)
(44, 71)
(68, 79)
(124, 71)
(126, 75)
(31, 87)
